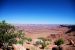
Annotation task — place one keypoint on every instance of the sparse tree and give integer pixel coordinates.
(8, 35)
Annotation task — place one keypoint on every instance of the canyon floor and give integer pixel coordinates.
(48, 31)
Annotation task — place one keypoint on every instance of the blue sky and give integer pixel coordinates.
(38, 11)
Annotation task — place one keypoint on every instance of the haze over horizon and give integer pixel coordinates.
(38, 11)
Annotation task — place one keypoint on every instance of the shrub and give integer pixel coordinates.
(8, 34)
(43, 45)
(29, 39)
(39, 42)
(20, 42)
(44, 42)
(47, 42)
(59, 42)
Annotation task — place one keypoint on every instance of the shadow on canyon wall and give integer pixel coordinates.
(71, 27)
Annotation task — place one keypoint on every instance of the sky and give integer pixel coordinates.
(38, 11)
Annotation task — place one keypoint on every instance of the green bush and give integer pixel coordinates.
(59, 42)
(29, 39)
(20, 42)
(8, 34)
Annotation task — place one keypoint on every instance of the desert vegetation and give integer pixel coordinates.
(8, 35)
(59, 42)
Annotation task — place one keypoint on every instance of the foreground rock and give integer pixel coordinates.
(18, 47)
